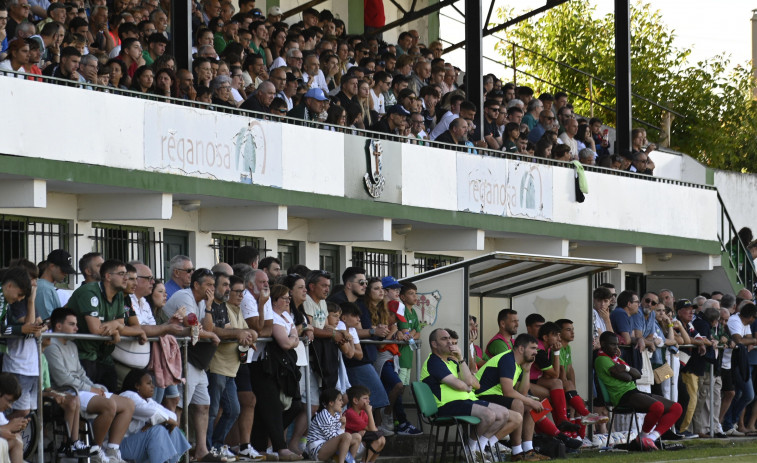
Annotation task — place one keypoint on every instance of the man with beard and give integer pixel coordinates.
(507, 320)
(499, 384)
(99, 307)
(362, 371)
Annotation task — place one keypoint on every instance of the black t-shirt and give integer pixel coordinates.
(202, 353)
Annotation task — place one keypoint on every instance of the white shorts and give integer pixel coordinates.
(84, 398)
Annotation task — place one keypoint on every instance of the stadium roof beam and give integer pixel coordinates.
(23, 193)
(150, 206)
(246, 218)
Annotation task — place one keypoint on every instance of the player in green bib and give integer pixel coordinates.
(450, 380)
(618, 377)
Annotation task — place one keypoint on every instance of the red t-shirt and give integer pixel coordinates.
(356, 421)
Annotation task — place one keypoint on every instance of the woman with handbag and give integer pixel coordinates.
(276, 381)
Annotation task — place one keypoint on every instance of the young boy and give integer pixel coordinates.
(411, 327)
(10, 438)
(359, 416)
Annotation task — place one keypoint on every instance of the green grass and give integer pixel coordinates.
(698, 450)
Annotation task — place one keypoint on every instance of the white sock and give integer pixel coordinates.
(527, 445)
(654, 435)
(113, 446)
(493, 441)
(517, 449)
(483, 441)
(473, 444)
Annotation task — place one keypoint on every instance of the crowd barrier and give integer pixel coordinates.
(183, 343)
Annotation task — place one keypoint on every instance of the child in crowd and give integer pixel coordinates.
(327, 437)
(411, 327)
(153, 435)
(10, 437)
(359, 416)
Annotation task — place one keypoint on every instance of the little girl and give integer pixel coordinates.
(153, 434)
(326, 436)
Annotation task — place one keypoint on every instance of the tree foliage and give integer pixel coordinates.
(718, 122)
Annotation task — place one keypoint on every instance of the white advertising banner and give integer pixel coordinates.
(481, 184)
(504, 187)
(530, 190)
(212, 145)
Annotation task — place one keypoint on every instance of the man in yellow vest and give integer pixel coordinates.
(450, 380)
(504, 380)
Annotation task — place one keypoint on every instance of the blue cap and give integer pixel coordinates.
(390, 282)
(316, 93)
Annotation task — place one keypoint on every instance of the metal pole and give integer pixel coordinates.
(712, 400)
(40, 438)
(185, 412)
(515, 70)
(307, 384)
(591, 95)
(474, 61)
(181, 34)
(623, 75)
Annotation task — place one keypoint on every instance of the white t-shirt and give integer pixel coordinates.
(6, 66)
(379, 103)
(249, 310)
(353, 332)
(143, 310)
(735, 326)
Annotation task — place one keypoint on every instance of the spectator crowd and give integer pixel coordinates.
(310, 70)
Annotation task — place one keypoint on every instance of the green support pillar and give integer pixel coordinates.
(355, 17)
(433, 23)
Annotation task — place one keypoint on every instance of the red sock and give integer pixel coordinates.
(668, 419)
(653, 416)
(559, 411)
(578, 403)
(546, 426)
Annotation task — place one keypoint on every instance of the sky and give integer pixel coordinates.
(708, 28)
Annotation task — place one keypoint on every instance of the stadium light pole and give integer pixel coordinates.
(623, 75)
(181, 34)
(474, 59)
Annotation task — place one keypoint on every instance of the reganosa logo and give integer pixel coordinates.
(248, 143)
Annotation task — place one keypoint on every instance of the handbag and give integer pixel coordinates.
(662, 373)
(647, 373)
(132, 354)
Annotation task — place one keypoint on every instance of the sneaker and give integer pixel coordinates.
(646, 443)
(248, 452)
(114, 455)
(407, 429)
(387, 428)
(691, 435)
(587, 444)
(76, 449)
(568, 426)
(733, 432)
(225, 451)
(671, 435)
(570, 442)
(502, 449)
(593, 418)
(96, 455)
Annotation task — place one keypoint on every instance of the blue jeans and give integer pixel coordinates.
(743, 397)
(223, 393)
(156, 445)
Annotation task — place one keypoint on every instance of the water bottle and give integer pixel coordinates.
(412, 344)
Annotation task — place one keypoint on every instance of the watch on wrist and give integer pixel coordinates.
(372, 332)
(209, 311)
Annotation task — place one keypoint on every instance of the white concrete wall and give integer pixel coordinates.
(136, 134)
(737, 191)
